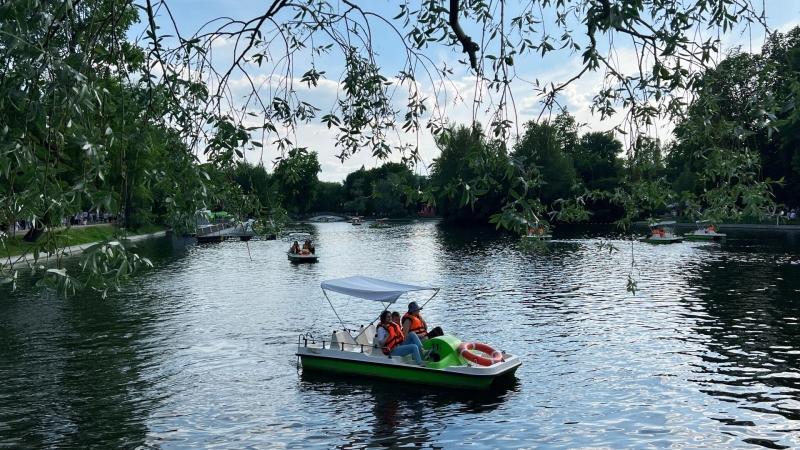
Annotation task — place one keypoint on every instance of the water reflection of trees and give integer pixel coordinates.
(71, 375)
(399, 414)
(749, 324)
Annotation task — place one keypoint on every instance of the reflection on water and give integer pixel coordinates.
(199, 351)
(415, 417)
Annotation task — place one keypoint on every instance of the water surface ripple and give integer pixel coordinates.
(199, 351)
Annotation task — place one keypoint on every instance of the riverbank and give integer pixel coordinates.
(82, 237)
(735, 226)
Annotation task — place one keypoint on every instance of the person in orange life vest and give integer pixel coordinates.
(414, 323)
(541, 231)
(390, 338)
(661, 233)
(711, 228)
(396, 318)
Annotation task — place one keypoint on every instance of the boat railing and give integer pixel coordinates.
(334, 343)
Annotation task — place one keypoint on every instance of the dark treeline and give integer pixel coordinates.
(295, 186)
(377, 191)
(744, 95)
(550, 150)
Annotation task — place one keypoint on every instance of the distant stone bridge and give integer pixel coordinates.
(326, 217)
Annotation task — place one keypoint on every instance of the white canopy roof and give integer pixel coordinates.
(371, 288)
(659, 224)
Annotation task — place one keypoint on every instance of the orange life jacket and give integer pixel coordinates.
(416, 325)
(395, 336)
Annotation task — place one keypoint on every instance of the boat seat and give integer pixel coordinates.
(366, 335)
(342, 340)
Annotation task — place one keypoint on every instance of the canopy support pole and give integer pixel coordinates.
(434, 295)
(334, 309)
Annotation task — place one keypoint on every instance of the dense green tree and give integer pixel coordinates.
(330, 197)
(358, 203)
(296, 180)
(389, 196)
(460, 149)
(599, 164)
(82, 131)
(544, 147)
(364, 197)
(739, 121)
(597, 160)
(254, 179)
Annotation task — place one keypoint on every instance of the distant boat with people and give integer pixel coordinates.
(538, 233)
(305, 252)
(705, 231)
(662, 233)
(380, 223)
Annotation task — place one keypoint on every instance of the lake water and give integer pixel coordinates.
(199, 351)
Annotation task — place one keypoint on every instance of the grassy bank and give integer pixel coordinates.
(67, 237)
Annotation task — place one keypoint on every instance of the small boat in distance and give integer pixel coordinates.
(662, 233)
(380, 224)
(305, 252)
(538, 234)
(448, 362)
(705, 231)
(355, 220)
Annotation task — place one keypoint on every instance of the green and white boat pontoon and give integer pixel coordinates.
(537, 235)
(662, 233)
(380, 224)
(705, 231)
(451, 363)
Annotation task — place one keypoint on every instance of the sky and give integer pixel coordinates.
(455, 96)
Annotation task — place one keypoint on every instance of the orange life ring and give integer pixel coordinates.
(465, 347)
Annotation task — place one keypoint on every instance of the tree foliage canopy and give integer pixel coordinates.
(93, 120)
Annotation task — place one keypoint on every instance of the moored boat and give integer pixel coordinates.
(662, 233)
(449, 362)
(705, 231)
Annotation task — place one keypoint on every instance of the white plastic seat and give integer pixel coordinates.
(366, 336)
(342, 340)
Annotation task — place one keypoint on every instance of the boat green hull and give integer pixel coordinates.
(700, 237)
(302, 259)
(411, 374)
(660, 241)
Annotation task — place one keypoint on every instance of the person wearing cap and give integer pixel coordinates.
(414, 323)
